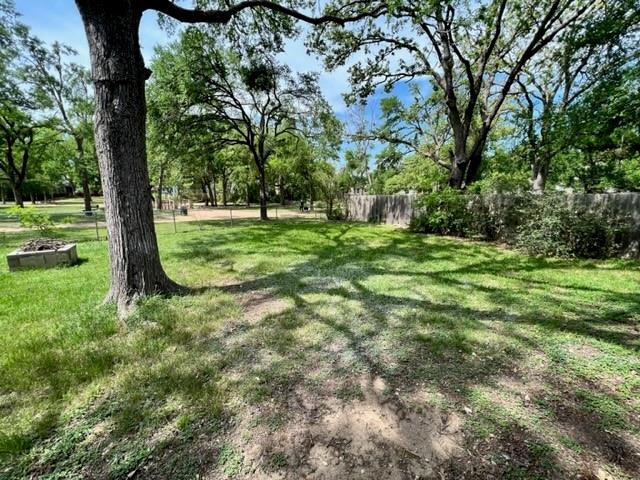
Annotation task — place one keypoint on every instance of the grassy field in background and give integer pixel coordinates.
(322, 350)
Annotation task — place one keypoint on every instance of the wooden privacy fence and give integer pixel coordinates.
(391, 209)
(400, 209)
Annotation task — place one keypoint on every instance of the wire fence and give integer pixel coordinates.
(174, 220)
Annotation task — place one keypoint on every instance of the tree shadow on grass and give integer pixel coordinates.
(413, 337)
(451, 344)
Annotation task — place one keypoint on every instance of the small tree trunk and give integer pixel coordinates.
(212, 197)
(282, 198)
(225, 183)
(32, 198)
(3, 197)
(86, 190)
(203, 187)
(119, 74)
(17, 196)
(263, 195)
(214, 193)
(160, 187)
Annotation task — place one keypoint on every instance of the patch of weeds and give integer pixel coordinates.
(542, 453)
(128, 461)
(487, 416)
(254, 422)
(277, 461)
(276, 421)
(557, 353)
(12, 444)
(350, 392)
(230, 462)
(571, 444)
(610, 413)
(183, 422)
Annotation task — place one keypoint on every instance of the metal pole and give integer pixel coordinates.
(175, 228)
(97, 231)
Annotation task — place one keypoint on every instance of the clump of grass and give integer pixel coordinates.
(230, 462)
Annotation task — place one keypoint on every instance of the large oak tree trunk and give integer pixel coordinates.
(119, 75)
(457, 172)
(539, 181)
(475, 158)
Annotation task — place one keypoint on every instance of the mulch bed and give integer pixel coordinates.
(40, 244)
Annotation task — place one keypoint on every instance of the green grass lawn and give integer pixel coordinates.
(323, 350)
(63, 210)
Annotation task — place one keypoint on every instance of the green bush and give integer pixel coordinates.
(336, 213)
(547, 224)
(444, 212)
(554, 227)
(497, 217)
(31, 218)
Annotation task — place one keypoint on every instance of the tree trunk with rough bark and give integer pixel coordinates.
(84, 175)
(17, 196)
(160, 187)
(205, 194)
(214, 193)
(225, 183)
(539, 177)
(119, 75)
(86, 190)
(456, 174)
(264, 196)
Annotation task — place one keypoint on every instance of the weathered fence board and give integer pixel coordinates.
(391, 209)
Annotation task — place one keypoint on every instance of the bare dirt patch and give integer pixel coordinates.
(376, 436)
(256, 305)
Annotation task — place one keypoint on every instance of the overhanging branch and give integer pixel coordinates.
(186, 15)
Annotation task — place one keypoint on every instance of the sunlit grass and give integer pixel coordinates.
(467, 324)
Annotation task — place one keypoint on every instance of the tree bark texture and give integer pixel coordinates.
(119, 74)
(17, 196)
(160, 187)
(264, 196)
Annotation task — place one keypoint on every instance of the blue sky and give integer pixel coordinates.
(59, 20)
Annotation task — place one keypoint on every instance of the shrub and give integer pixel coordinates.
(31, 218)
(552, 226)
(443, 212)
(497, 217)
(336, 212)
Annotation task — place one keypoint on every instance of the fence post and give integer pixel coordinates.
(96, 222)
(175, 228)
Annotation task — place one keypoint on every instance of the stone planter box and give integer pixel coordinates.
(19, 260)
